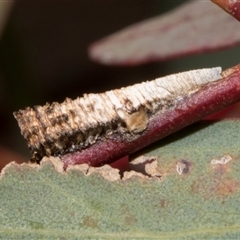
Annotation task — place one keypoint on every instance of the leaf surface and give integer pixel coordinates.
(187, 196)
(195, 27)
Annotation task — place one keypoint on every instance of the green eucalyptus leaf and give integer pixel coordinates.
(191, 190)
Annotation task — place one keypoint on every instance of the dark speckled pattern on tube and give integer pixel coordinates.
(100, 128)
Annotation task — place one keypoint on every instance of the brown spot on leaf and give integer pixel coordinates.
(130, 219)
(183, 167)
(227, 187)
(221, 167)
(125, 211)
(72, 213)
(163, 203)
(216, 182)
(90, 221)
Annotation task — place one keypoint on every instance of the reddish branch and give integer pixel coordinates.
(211, 98)
(230, 6)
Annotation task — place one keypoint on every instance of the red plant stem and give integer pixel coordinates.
(230, 6)
(209, 99)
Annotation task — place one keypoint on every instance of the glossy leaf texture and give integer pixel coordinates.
(195, 27)
(190, 190)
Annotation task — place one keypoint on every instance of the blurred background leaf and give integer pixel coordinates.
(192, 28)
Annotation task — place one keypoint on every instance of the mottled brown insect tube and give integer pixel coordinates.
(100, 128)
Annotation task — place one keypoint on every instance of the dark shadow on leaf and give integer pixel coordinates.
(186, 132)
